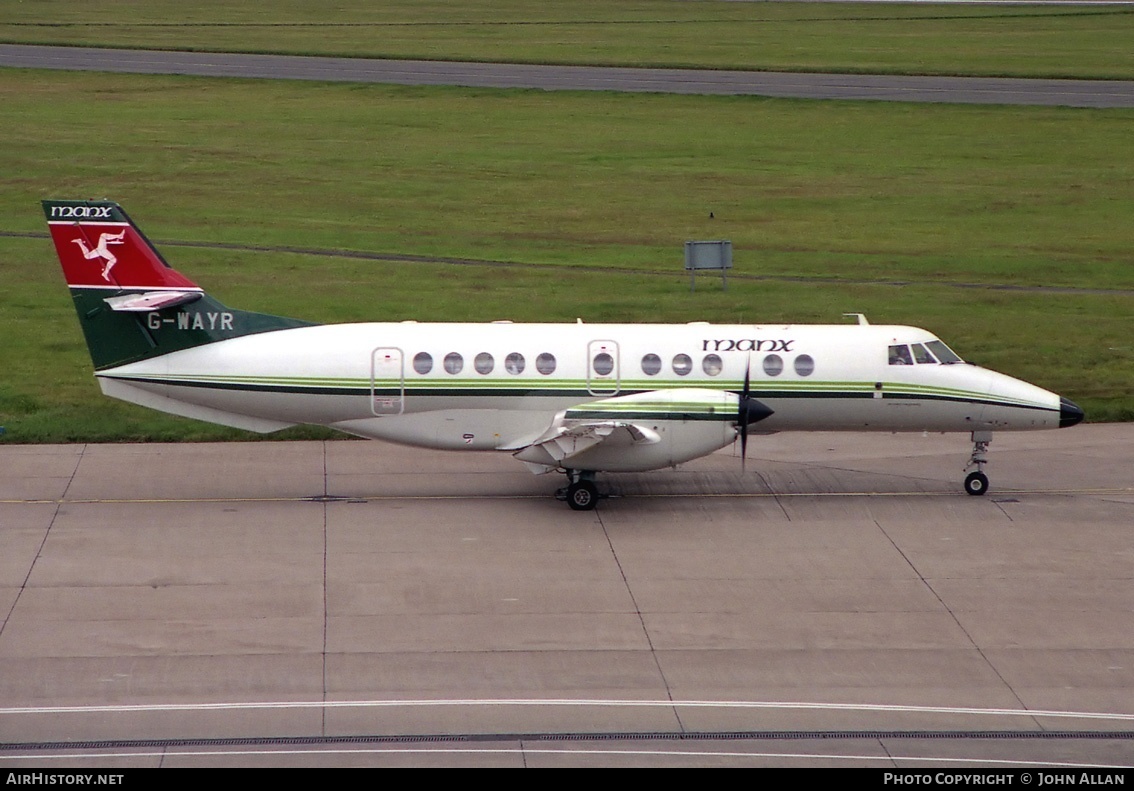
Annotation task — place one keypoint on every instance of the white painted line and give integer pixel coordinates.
(505, 702)
(887, 759)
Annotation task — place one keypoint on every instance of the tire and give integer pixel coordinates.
(976, 483)
(582, 496)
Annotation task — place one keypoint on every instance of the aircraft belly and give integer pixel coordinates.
(868, 413)
(486, 423)
(451, 429)
(153, 398)
(288, 408)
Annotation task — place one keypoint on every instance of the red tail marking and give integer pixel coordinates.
(111, 255)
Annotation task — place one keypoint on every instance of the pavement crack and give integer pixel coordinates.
(43, 542)
(976, 646)
(641, 620)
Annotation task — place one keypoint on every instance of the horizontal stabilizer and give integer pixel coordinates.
(151, 300)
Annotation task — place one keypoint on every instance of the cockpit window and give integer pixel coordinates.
(900, 355)
(943, 352)
(922, 355)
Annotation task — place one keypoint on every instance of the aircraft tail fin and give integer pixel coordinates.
(101, 248)
(132, 304)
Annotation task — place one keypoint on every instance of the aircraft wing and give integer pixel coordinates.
(640, 431)
(562, 442)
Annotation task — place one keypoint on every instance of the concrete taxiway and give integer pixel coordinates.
(158, 598)
(858, 87)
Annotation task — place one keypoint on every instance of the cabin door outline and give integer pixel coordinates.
(387, 381)
(604, 368)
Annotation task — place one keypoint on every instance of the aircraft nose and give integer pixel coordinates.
(1069, 413)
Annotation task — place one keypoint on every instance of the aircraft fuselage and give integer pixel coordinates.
(493, 386)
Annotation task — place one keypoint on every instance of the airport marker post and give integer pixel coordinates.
(708, 255)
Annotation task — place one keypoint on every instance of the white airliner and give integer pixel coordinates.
(576, 398)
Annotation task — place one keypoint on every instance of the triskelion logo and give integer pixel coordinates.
(102, 250)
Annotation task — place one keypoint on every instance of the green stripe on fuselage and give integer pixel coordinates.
(724, 416)
(565, 388)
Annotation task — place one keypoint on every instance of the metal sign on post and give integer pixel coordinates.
(708, 255)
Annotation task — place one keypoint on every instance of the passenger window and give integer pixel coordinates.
(651, 365)
(484, 363)
(545, 364)
(900, 355)
(514, 363)
(922, 355)
(423, 362)
(603, 364)
(682, 364)
(712, 364)
(773, 365)
(454, 363)
(804, 365)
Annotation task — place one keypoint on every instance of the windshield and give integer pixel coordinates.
(943, 352)
(929, 353)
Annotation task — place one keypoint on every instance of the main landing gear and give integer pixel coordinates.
(580, 493)
(976, 482)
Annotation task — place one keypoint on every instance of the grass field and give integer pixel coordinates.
(916, 38)
(589, 197)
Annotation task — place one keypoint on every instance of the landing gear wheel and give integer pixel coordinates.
(976, 483)
(582, 496)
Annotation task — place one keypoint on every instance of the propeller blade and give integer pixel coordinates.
(743, 448)
(743, 408)
(749, 411)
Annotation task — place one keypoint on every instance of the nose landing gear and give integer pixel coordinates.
(976, 482)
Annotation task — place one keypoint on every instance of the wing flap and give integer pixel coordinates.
(561, 443)
(626, 432)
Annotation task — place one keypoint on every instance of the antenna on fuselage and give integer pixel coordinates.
(862, 322)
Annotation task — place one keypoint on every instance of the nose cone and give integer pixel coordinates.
(1069, 413)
